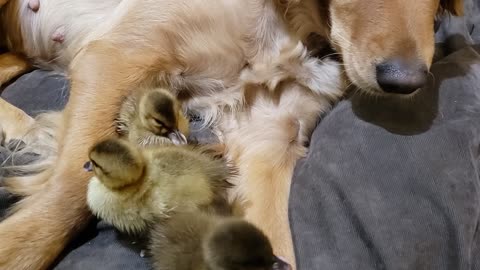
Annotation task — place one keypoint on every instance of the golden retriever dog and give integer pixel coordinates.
(242, 64)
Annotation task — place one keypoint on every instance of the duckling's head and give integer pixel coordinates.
(116, 163)
(114, 193)
(161, 113)
(238, 245)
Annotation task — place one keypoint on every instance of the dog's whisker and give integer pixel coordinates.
(330, 55)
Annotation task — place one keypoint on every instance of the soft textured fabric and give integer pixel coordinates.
(387, 183)
(394, 184)
(37, 92)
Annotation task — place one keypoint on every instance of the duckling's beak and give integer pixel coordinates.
(177, 137)
(88, 167)
(280, 264)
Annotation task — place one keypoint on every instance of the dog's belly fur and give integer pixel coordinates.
(88, 20)
(78, 18)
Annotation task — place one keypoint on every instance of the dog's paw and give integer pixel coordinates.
(12, 145)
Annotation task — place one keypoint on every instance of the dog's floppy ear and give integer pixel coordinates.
(455, 7)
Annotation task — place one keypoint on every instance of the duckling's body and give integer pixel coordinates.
(152, 116)
(133, 186)
(175, 194)
(205, 241)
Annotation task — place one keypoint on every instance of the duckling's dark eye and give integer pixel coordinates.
(159, 122)
(162, 125)
(95, 164)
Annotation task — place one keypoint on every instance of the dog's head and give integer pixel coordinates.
(387, 46)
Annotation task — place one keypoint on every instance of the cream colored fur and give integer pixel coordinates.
(79, 18)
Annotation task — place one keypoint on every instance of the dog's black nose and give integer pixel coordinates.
(400, 76)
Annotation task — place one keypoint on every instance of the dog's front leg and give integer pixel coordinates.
(265, 155)
(265, 146)
(34, 236)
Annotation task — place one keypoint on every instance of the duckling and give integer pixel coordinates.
(202, 241)
(152, 116)
(176, 195)
(133, 186)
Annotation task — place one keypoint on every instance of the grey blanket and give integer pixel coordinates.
(387, 183)
(392, 184)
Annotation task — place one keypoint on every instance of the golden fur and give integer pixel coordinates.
(12, 65)
(366, 33)
(16, 122)
(240, 63)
